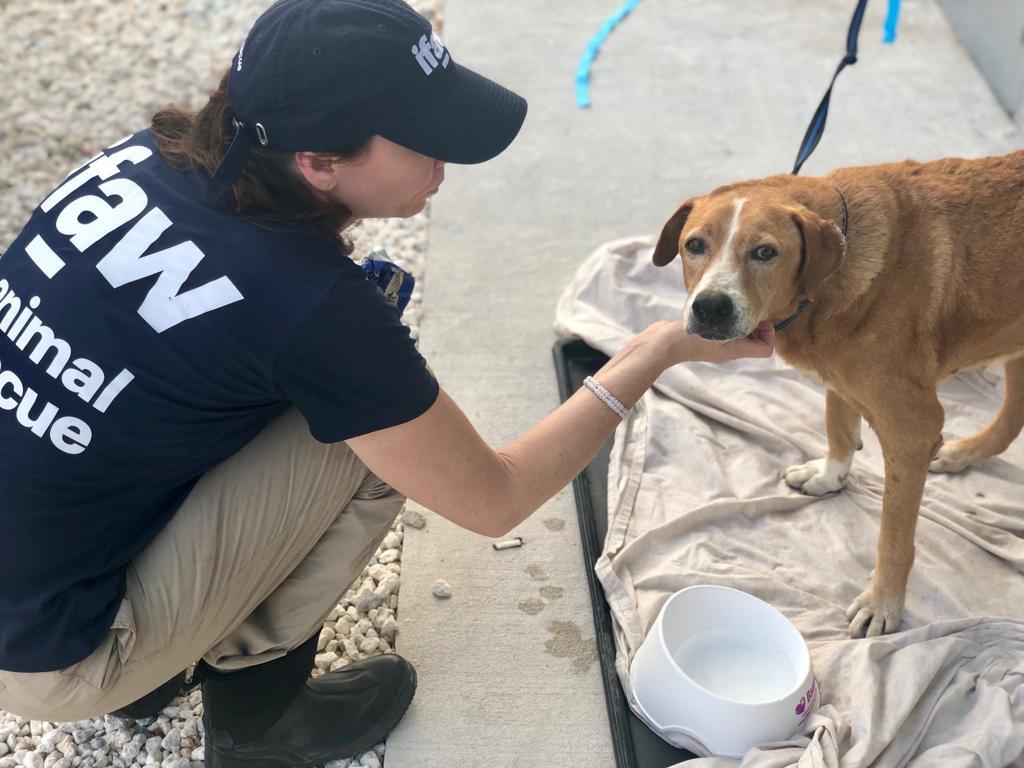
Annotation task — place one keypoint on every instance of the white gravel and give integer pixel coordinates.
(78, 76)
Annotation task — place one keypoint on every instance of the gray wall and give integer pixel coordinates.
(993, 31)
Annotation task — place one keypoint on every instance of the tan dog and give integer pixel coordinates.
(928, 280)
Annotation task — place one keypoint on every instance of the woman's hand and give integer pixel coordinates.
(681, 347)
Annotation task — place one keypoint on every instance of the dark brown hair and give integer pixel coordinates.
(270, 189)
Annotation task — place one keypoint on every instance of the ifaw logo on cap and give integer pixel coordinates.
(431, 54)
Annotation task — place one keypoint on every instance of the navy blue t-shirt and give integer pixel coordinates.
(146, 334)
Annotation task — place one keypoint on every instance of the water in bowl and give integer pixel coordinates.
(736, 666)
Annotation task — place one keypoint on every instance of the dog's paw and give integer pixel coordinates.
(873, 614)
(818, 477)
(954, 456)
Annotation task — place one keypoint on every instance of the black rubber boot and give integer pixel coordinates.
(154, 701)
(273, 716)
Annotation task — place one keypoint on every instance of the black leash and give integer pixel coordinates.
(817, 128)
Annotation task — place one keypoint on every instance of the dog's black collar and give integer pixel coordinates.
(800, 308)
(846, 211)
(805, 302)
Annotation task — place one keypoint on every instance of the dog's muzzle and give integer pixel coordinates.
(712, 316)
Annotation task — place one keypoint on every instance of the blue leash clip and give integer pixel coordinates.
(391, 280)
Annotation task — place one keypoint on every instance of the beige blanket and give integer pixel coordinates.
(696, 496)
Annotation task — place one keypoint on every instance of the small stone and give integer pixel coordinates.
(369, 759)
(442, 589)
(391, 541)
(367, 600)
(343, 763)
(389, 629)
(369, 645)
(361, 627)
(118, 738)
(153, 745)
(332, 646)
(199, 754)
(388, 586)
(351, 651)
(326, 635)
(413, 519)
(50, 739)
(323, 660)
(67, 746)
(172, 741)
(32, 760)
(82, 735)
(389, 556)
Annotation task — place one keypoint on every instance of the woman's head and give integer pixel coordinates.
(341, 109)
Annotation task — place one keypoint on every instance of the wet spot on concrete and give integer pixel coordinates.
(551, 593)
(537, 573)
(531, 606)
(567, 642)
(554, 524)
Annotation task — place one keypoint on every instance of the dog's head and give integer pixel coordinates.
(750, 253)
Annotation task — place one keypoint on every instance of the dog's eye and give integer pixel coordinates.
(695, 246)
(764, 253)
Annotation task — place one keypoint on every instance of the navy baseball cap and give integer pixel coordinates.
(319, 75)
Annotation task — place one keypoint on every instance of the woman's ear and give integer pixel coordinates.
(668, 244)
(318, 173)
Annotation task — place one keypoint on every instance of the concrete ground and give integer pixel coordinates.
(687, 95)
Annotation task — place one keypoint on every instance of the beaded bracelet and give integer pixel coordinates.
(605, 396)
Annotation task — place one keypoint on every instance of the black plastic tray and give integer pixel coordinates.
(636, 746)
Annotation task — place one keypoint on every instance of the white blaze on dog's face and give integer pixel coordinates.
(745, 256)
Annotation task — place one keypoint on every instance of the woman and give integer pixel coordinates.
(212, 417)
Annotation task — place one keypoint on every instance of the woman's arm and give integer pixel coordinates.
(440, 461)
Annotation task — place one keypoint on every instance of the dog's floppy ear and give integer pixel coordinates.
(822, 250)
(668, 244)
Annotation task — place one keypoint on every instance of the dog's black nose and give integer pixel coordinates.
(713, 309)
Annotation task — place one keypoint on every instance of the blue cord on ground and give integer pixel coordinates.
(892, 20)
(583, 71)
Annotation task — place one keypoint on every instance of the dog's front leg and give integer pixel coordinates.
(822, 476)
(909, 429)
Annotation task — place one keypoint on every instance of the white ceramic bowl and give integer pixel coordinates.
(722, 671)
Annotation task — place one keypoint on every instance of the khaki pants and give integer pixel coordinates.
(247, 569)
